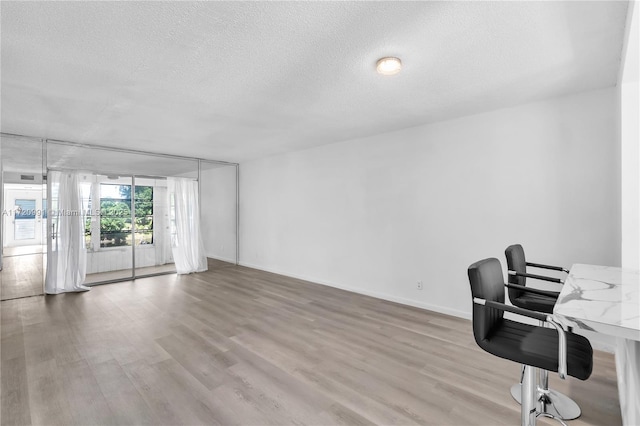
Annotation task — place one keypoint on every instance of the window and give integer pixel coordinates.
(25, 220)
(144, 214)
(115, 215)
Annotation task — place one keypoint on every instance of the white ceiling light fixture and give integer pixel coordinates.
(388, 65)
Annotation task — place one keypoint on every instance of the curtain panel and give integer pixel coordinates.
(187, 246)
(67, 261)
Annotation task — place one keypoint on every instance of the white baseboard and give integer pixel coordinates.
(224, 259)
(377, 295)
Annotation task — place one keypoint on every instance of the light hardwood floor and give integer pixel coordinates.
(240, 346)
(21, 276)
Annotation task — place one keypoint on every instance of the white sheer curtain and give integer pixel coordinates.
(67, 260)
(188, 250)
(161, 224)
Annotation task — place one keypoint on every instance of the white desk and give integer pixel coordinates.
(607, 300)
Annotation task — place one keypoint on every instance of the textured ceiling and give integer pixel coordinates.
(240, 80)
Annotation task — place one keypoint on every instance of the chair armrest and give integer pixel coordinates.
(562, 335)
(562, 347)
(552, 268)
(513, 309)
(553, 294)
(536, 277)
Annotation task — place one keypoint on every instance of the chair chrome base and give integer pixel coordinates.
(533, 400)
(557, 404)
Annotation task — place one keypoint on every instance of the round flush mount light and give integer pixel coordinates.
(388, 66)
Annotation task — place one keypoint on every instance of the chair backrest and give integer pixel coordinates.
(516, 262)
(487, 282)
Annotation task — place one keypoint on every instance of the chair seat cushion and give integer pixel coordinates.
(534, 302)
(538, 347)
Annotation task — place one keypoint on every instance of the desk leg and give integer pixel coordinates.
(628, 370)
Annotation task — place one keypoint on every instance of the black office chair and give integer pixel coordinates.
(533, 346)
(527, 297)
(534, 299)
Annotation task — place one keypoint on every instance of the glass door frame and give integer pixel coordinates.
(43, 211)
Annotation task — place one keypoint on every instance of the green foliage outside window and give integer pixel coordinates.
(115, 215)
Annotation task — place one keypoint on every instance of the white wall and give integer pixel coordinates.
(1, 207)
(218, 211)
(375, 215)
(630, 152)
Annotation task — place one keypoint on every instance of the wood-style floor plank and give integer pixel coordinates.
(15, 406)
(21, 276)
(237, 346)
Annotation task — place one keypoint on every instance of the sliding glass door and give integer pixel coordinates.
(109, 231)
(153, 227)
(127, 227)
(127, 206)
